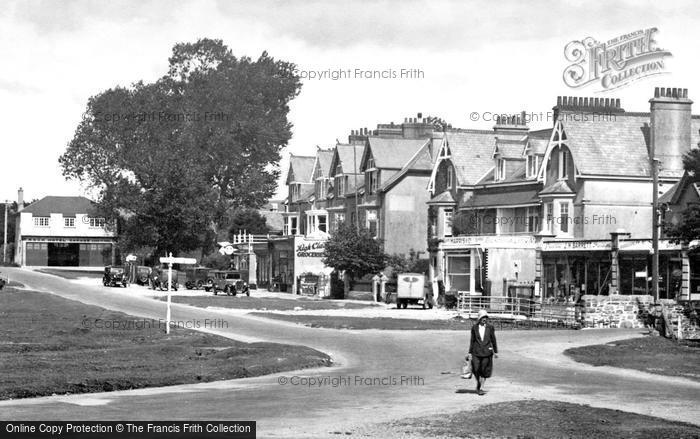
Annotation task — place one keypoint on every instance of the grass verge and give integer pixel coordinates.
(541, 419)
(52, 345)
(388, 323)
(263, 303)
(649, 354)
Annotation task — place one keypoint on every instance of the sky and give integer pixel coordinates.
(478, 57)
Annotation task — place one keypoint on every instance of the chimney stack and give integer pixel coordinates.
(20, 199)
(670, 128)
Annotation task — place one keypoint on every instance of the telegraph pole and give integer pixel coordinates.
(357, 201)
(4, 241)
(655, 227)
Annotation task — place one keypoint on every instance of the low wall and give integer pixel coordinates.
(615, 311)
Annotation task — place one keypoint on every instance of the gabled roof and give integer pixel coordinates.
(67, 206)
(324, 157)
(421, 161)
(674, 194)
(348, 157)
(471, 154)
(538, 140)
(392, 153)
(300, 168)
(609, 146)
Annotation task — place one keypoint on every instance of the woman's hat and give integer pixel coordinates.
(482, 314)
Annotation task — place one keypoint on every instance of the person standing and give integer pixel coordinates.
(482, 349)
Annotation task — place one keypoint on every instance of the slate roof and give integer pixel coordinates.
(393, 152)
(67, 206)
(325, 157)
(442, 198)
(509, 149)
(523, 196)
(349, 156)
(472, 154)
(558, 187)
(421, 161)
(538, 140)
(300, 168)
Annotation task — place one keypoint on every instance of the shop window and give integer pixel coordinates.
(458, 272)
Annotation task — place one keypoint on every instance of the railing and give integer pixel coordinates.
(249, 238)
(518, 308)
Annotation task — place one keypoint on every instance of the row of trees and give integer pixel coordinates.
(173, 158)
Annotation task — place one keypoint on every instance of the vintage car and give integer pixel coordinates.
(143, 274)
(159, 278)
(3, 281)
(114, 276)
(197, 277)
(413, 288)
(230, 282)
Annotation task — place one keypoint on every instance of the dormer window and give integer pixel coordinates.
(532, 166)
(500, 169)
(563, 163)
(372, 182)
(370, 163)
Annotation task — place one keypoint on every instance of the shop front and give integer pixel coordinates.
(297, 260)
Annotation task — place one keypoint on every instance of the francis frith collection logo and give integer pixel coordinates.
(616, 62)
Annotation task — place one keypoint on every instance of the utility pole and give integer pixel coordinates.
(4, 241)
(357, 201)
(655, 227)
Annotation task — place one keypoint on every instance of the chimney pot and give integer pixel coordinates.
(656, 92)
(420, 115)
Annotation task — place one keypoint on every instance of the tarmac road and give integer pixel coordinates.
(379, 375)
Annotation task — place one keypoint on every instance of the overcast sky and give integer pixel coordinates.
(500, 57)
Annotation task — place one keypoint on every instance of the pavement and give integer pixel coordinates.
(378, 376)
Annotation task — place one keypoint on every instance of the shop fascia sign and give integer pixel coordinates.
(605, 245)
(310, 249)
(489, 241)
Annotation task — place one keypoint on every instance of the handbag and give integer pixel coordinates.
(466, 370)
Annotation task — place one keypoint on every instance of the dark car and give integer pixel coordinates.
(230, 282)
(143, 274)
(159, 279)
(114, 276)
(197, 277)
(3, 282)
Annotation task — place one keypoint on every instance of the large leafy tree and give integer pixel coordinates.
(354, 251)
(170, 158)
(248, 221)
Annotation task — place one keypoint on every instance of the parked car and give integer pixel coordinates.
(413, 288)
(159, 279)
(114, 276)
(143, 274)
(230, 282)
(3, 282)
(197, 277)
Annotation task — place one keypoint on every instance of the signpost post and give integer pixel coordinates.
(170, 260)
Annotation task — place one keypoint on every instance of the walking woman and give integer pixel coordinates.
(482, 348)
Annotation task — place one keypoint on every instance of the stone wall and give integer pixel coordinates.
(614, 311)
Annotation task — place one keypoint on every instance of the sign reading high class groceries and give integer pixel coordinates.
(310, 249)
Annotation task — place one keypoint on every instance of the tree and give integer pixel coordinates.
(354, 251)
(688, 229)
(170, 158)
(248, 221)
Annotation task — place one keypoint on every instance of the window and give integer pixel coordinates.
(69, 222)
(41, 221)
(340, 185)
(291, 226)
(373, 223)
(296, 189)
(564, 217)
(500, 169)
(323, 223)
(97, 222)
(339, 219)
(447, 227)
(370, 163)
(459, 272)
(450, 177)
(549, 217)
(532, 166)
(563, 163)
(372, 182)
(533, 219)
